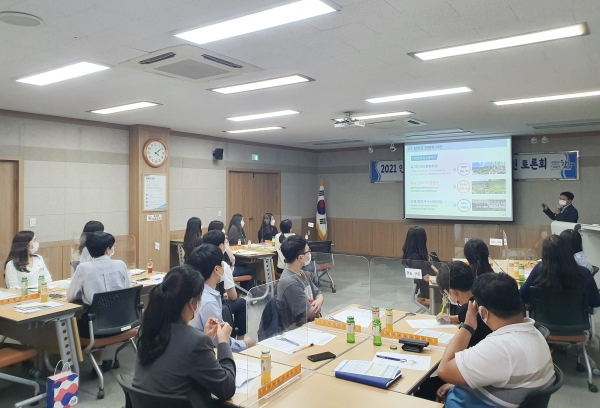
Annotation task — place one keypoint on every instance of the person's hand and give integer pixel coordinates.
(443, 391)
(443, 319)
(557, 211)
(316, 306)
(545, 207)
(472, 312)
(249, 342)
(225, 296)
(224, 332)
(211, 327)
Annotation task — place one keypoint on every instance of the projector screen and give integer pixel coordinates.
(459, 180)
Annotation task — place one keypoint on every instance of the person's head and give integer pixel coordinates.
(456, 282)
(175, 300)
(285, 227)
(193, 233)
(208, 260)
(216, 226)
(268, 221)
(573, 238)
(415, 245)
(498, 298)
(238, 221)
(565, 198)
(559, 269)
(296, 252)
(100, 243)
(478, 254)
(24, 244)
(216, 238)
(89, 228)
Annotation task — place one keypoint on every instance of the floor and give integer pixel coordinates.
(385, 287)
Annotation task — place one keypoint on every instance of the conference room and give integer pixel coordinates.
(315, 190)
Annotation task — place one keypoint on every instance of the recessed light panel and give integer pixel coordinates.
(263, 115)
(123, 108)
(267, 83)
(254, 130)
(64, 73)
(548, 98)
(418, 95)
(379, 115)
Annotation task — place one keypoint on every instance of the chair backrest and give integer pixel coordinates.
(540, 399)
(136, 398)
(270, 321)
(561, 311)
(595, 270)
(320, 246)
(116, 311)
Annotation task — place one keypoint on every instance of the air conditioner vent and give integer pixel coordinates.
(160, 57)
(566, 124)
(414, 122)
(392, 124)
(330, 142)
(221, 61)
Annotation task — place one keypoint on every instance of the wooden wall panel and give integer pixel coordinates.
(383, 238)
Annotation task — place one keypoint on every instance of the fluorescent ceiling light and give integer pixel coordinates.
(548, 98)
(123, 108)
(64, 73)
(254, 130)
(532, 38)
(263, 115)
(444, 132)
(267, 83)
(379, 115)
(274, 17)
(418, 95)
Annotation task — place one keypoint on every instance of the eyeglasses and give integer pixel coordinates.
(307, 252)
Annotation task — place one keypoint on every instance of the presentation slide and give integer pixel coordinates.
(463, 180)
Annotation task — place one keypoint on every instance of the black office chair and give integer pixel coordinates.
(566, 314)
(540, 399)
(595, 270)
(323, 258)
(112, 318)
(136, 398)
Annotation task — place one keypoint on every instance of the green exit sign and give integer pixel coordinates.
(255, 157)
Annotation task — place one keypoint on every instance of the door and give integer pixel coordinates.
(252, 194)
(9, 199)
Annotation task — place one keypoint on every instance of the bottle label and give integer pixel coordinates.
(377, 331)
(265, 365)
(389, 319)
(350, 328)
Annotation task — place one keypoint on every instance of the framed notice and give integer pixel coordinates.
(155, 192)
(388, 171)
(546, 166)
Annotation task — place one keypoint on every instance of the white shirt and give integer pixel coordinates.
(13, 276)
(227, 277)
(79, 258)
(280, 259)
(508, 364)
(582, 260)
(97, 276)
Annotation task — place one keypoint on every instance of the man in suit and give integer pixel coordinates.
(564, 211)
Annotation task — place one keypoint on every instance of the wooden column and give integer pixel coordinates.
(147, 233)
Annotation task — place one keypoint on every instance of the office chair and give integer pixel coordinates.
(13, 354)
(323, 261)
(421, 308)
(136, 398)
(540, 399)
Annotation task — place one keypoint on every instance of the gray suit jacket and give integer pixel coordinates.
(189, 367)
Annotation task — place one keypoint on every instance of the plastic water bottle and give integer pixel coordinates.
(389, 319)
(377, 332)
(265, 367)
(43, 292)
(150, 265)
(350, 329)
(24, 288)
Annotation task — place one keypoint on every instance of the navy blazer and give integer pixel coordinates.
(569, 214)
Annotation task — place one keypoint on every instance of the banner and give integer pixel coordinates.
(389, 171)
(546, 166)
(321, 217)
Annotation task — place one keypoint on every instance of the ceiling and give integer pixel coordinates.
(356, 53)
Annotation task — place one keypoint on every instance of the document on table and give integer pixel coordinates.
(442, 337)
(293, 340)
(34, 307)
(403, 361)
(362, 317)
(7, 295)
(370, 368)
(155, 278)
(59, 284)
(134, 272)
(247, 373)
(428, 324)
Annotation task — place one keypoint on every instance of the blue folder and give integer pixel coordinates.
(378, 382)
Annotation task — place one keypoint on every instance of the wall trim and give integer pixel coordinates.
(60, 119)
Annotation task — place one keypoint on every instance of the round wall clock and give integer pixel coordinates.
(155, 153)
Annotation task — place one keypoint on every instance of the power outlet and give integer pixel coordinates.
(32, 222)
(157, 246)
(219, 213)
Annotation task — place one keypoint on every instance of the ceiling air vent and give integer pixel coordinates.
(190, 63)
(330, 142)
(566, 124)
(390, 124)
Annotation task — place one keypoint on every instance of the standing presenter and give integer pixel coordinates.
(564, 211)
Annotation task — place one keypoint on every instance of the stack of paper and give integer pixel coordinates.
(154, 278)
(404, 361)
(134, 272)
(294, 340)
(59, 284)
(443, 338)
(247, 373)
(33, 307)
(362, 317)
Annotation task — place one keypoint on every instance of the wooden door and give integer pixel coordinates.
(9, 200)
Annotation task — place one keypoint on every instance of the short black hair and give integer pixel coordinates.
(457, 276)
(216, 225)
(568, 194)
(499, 294)
(285, 226)
(204, 259)
(98, 242)
(292, 248)
(573, 238)
(215, 237)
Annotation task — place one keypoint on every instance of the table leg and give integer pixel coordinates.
(66, 344)
(268, 280)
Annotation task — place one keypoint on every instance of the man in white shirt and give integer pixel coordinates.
(505, 367)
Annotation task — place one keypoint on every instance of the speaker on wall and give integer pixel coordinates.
(218, 154)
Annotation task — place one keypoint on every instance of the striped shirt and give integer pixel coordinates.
(504, 368)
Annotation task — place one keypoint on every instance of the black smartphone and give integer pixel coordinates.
(321, 356)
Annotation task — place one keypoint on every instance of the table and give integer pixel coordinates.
(318, 390)
(410, 379)
(277, 369)
(396, 314)
(403, 326)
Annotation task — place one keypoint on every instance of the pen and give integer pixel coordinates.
(281, 338)
(335, 320)
(305, 347)
(391, 358)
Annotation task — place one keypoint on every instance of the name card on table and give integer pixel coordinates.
(280, 382)
(18, 299)
(398, 335)
(335, 325)
(413, 273)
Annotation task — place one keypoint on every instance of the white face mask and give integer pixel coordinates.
(242, 223)
(562, 203)
(452, 302)
(273, 222)
(35, 247)
(111, 253)
(484, 320)
(306, 262)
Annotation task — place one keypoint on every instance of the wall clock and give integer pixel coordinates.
(155, 153)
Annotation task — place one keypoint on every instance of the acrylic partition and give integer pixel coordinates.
(395, 284)
(494, 236)
(525, 248)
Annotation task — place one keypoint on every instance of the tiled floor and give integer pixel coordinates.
(385, 287)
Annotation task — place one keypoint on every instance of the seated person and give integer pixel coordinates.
(192, 237)
(236, 234)
(559, 270)
(574, 239)
(416, 255)
(82, 254)
(298, 299)
(478, 256)
(208, 260)
(267, 230)
(506, 366)
(237, 304)
(286, 231)
(176, 359)
(220, 226)
(22, 262)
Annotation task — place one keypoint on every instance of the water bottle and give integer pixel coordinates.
(350, 329)
(24, 289)
(377, 332)
(265, 367)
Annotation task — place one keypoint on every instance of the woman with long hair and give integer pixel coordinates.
(478, 254)
(82, 254)
(236, 234)
(416, 255)
(286, 230)
(573, 237)
(22, 262)
(267, 230)
(558, 270)
(192, 237)
(175, 358)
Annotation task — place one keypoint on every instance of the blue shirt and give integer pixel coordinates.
(213, 307)
(460, 397)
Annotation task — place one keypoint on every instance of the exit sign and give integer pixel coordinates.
(255, 157)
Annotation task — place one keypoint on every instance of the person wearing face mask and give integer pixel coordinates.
(176, 359)
(208, 260)
(220, 226)
(267, 230)
(564, 211)
(505, 367)
(236, 232)
(298, 298)
(22, 262)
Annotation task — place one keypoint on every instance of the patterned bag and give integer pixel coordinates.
(62, 388)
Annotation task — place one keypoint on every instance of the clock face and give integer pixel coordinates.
(155, 153)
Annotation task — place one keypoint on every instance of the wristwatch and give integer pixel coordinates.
(469, 328)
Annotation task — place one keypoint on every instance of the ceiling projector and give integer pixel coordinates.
(349, 121)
